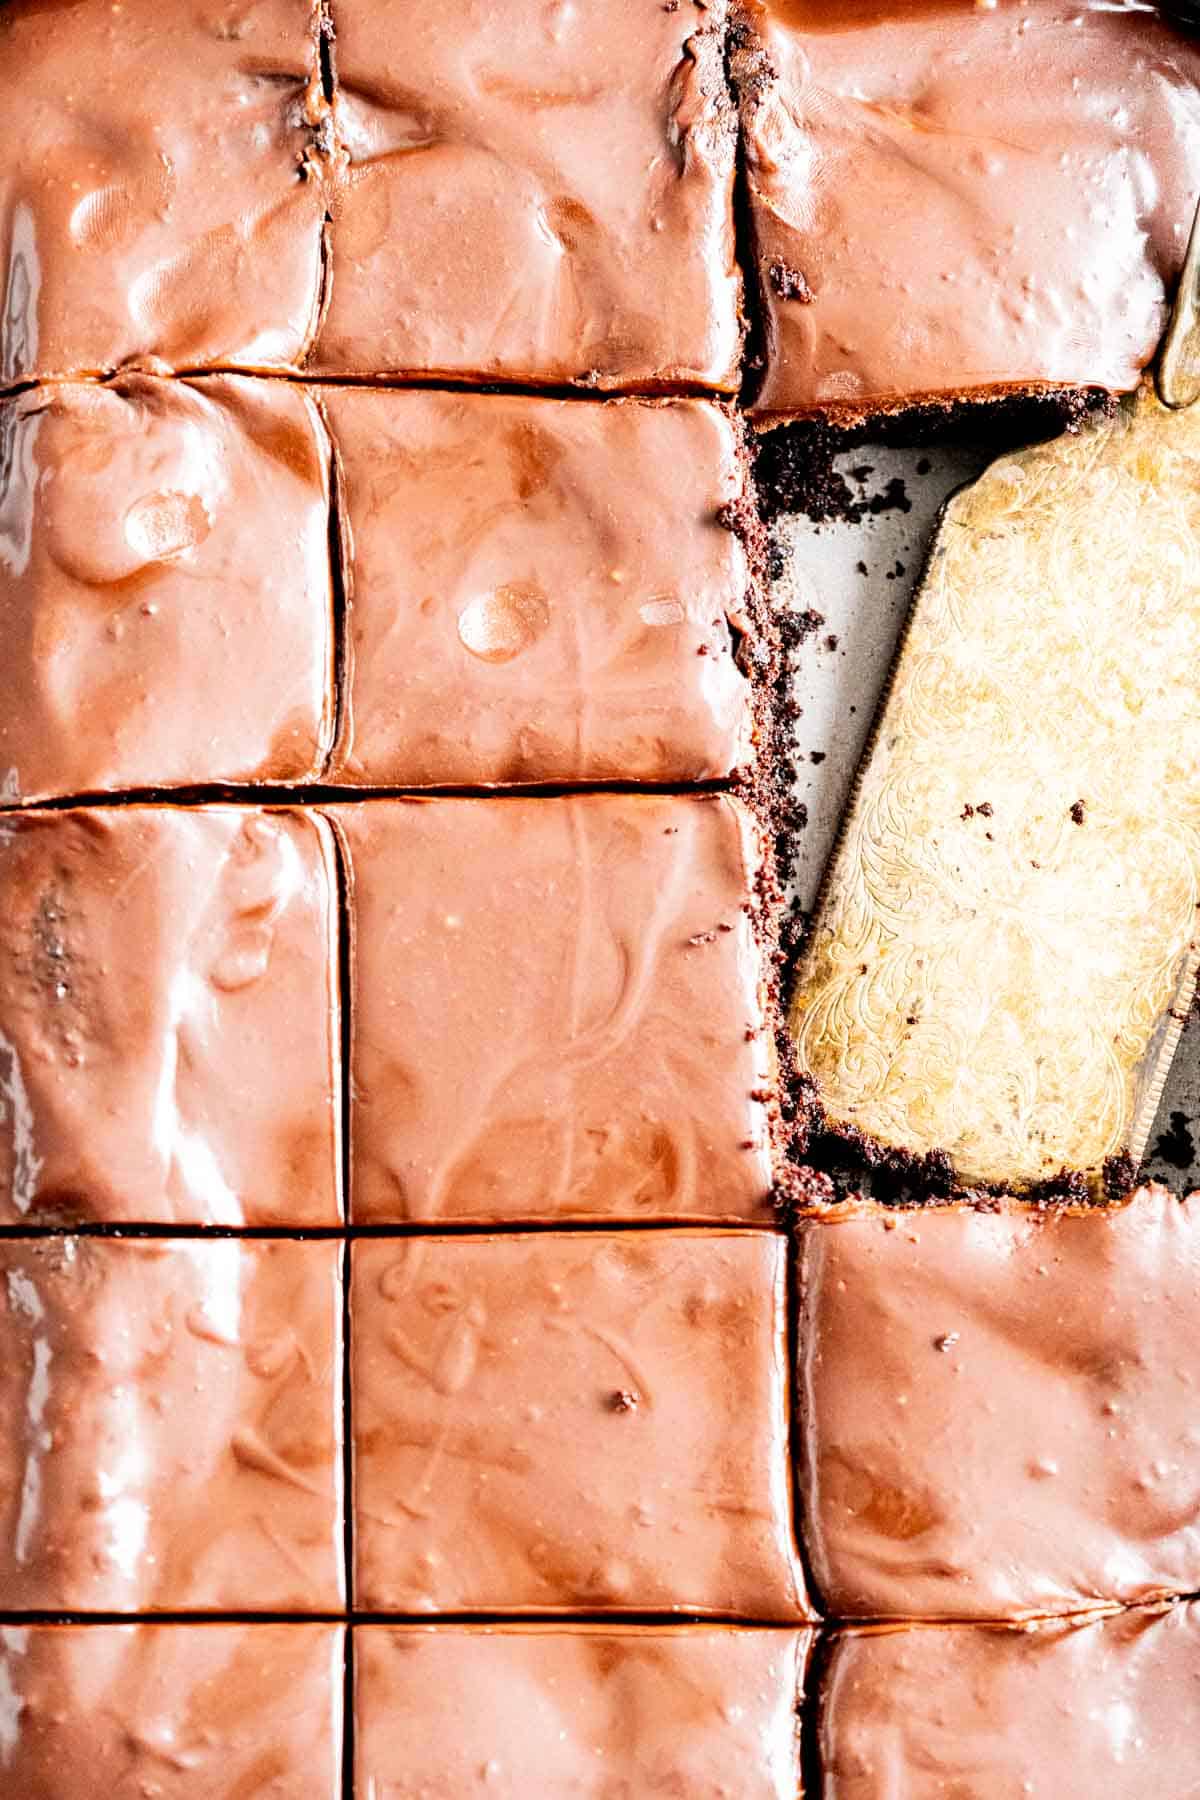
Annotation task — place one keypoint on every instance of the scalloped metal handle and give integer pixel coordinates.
(1177, 377)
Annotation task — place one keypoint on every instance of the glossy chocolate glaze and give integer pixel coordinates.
(161, 195)
(170, 1416)
(153, 535)
(171, 1712)
(533, 193)
(974, 198)
(571, 1422)
(998, 1414)
(518, 611)
(1107, 1706)
(557, 1010)
(590, 1712)
(168, 1018)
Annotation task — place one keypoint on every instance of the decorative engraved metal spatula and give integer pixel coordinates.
(1178, 374)
(1008, 937)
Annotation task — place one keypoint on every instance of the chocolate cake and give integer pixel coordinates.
(559, 1010)
(955, 200)
(169, 1033)
(505, 604)
(537, 199)
(437, 1355)
(164, 196)
(1022, 1439)
(172, 1409)
(185, 1711)
(150, 531)
(517, 614)
(533, 196)
(659, 1357)
(1073, 1708)
(587, 1709)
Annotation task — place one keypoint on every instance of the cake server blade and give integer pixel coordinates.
(1178, 373)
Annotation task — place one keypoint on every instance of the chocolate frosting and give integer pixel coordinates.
(557, 1010)
(596, 1713)
(170, 1712)
(999, 1408)
(168, 1018)
(531, 197)
(533, 194)
(1106, 1706)
(154, 535)
(659, 1358)
(161, 199)
(518, 613)
(170, 1416)
(953, 198)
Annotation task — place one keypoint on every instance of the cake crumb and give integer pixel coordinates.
(790, 283)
